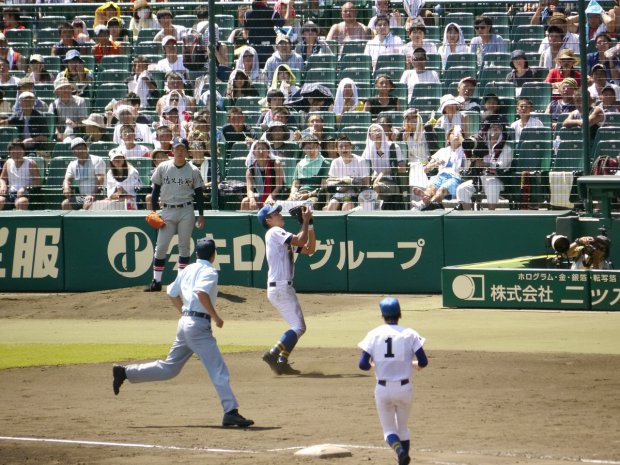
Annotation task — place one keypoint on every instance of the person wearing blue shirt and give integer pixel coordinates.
(193, 293)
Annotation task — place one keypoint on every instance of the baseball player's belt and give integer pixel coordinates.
(196, 314)
(402, 382)
(181, 205)
(274, 284)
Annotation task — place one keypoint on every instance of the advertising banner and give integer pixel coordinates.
(395, 252)
(516, 288)
(31, 252)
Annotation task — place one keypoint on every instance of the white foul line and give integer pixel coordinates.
(233, 451)
(125, 444)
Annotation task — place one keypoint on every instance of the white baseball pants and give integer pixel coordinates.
(394, 407)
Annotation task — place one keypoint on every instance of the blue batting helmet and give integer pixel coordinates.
(390, 307)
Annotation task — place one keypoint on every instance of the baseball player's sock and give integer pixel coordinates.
(283, 356)
(158, 268)
(394, 442)
(183, 262)
(289, 340)
(406, 444)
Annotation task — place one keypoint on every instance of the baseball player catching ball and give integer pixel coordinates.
(393, 348)
(193, 293)
(280, 246)
(178, 184)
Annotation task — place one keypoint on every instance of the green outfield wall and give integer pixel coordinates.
(400, 252)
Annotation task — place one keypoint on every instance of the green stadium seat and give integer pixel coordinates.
(224, 21)
(355, 60)
(359, 75)
(395, 116)
(314, 75)
(355, 118)
(528, 31)
(462, 18)
(539, 93)
(7, 134)
(235, 169)
(320, 60)
(47, 35)
(499, 18)
(353, 46)
(496, 59)
(461, 59)
(114, 62)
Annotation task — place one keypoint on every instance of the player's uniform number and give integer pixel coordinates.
(388, 352)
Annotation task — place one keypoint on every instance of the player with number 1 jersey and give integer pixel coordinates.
(395, 351)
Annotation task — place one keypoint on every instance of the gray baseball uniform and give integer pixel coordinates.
(177, 199)
(194, 335)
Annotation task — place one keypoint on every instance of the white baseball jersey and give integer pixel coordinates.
(393, 348)
(279, 255)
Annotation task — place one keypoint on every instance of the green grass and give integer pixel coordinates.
(29, 355)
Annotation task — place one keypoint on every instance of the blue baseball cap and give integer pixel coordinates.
(267, 210)
(205, 248)
(390, 307)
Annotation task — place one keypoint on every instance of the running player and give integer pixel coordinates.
(178, 184)
(193, 293)
(392, 348)
(280, 246)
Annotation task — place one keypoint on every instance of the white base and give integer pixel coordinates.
(324, 451)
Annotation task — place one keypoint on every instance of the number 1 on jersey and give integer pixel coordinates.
(389, 353)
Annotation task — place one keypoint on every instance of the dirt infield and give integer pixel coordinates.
(470, 407)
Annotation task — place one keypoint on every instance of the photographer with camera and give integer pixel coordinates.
(590, 253)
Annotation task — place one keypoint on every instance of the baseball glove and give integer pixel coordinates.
(154, 220)
(297, 213)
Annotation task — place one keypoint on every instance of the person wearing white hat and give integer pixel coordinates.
(31, 124)
(36, 70)
(450, 114)
(94, 128)
(69, 110)
(172, 60)
(122, 179)
(87, 172)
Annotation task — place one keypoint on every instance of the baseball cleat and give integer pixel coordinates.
(155, 286)
(271, 360)
(404, 459)
(234, 418)
(284, 368)
(118, 372)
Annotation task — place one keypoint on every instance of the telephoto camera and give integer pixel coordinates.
(560, 244)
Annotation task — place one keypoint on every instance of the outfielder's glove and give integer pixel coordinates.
(154, 220)
(297, 213)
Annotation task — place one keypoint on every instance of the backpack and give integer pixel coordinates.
(604, 165)
(195, 51)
